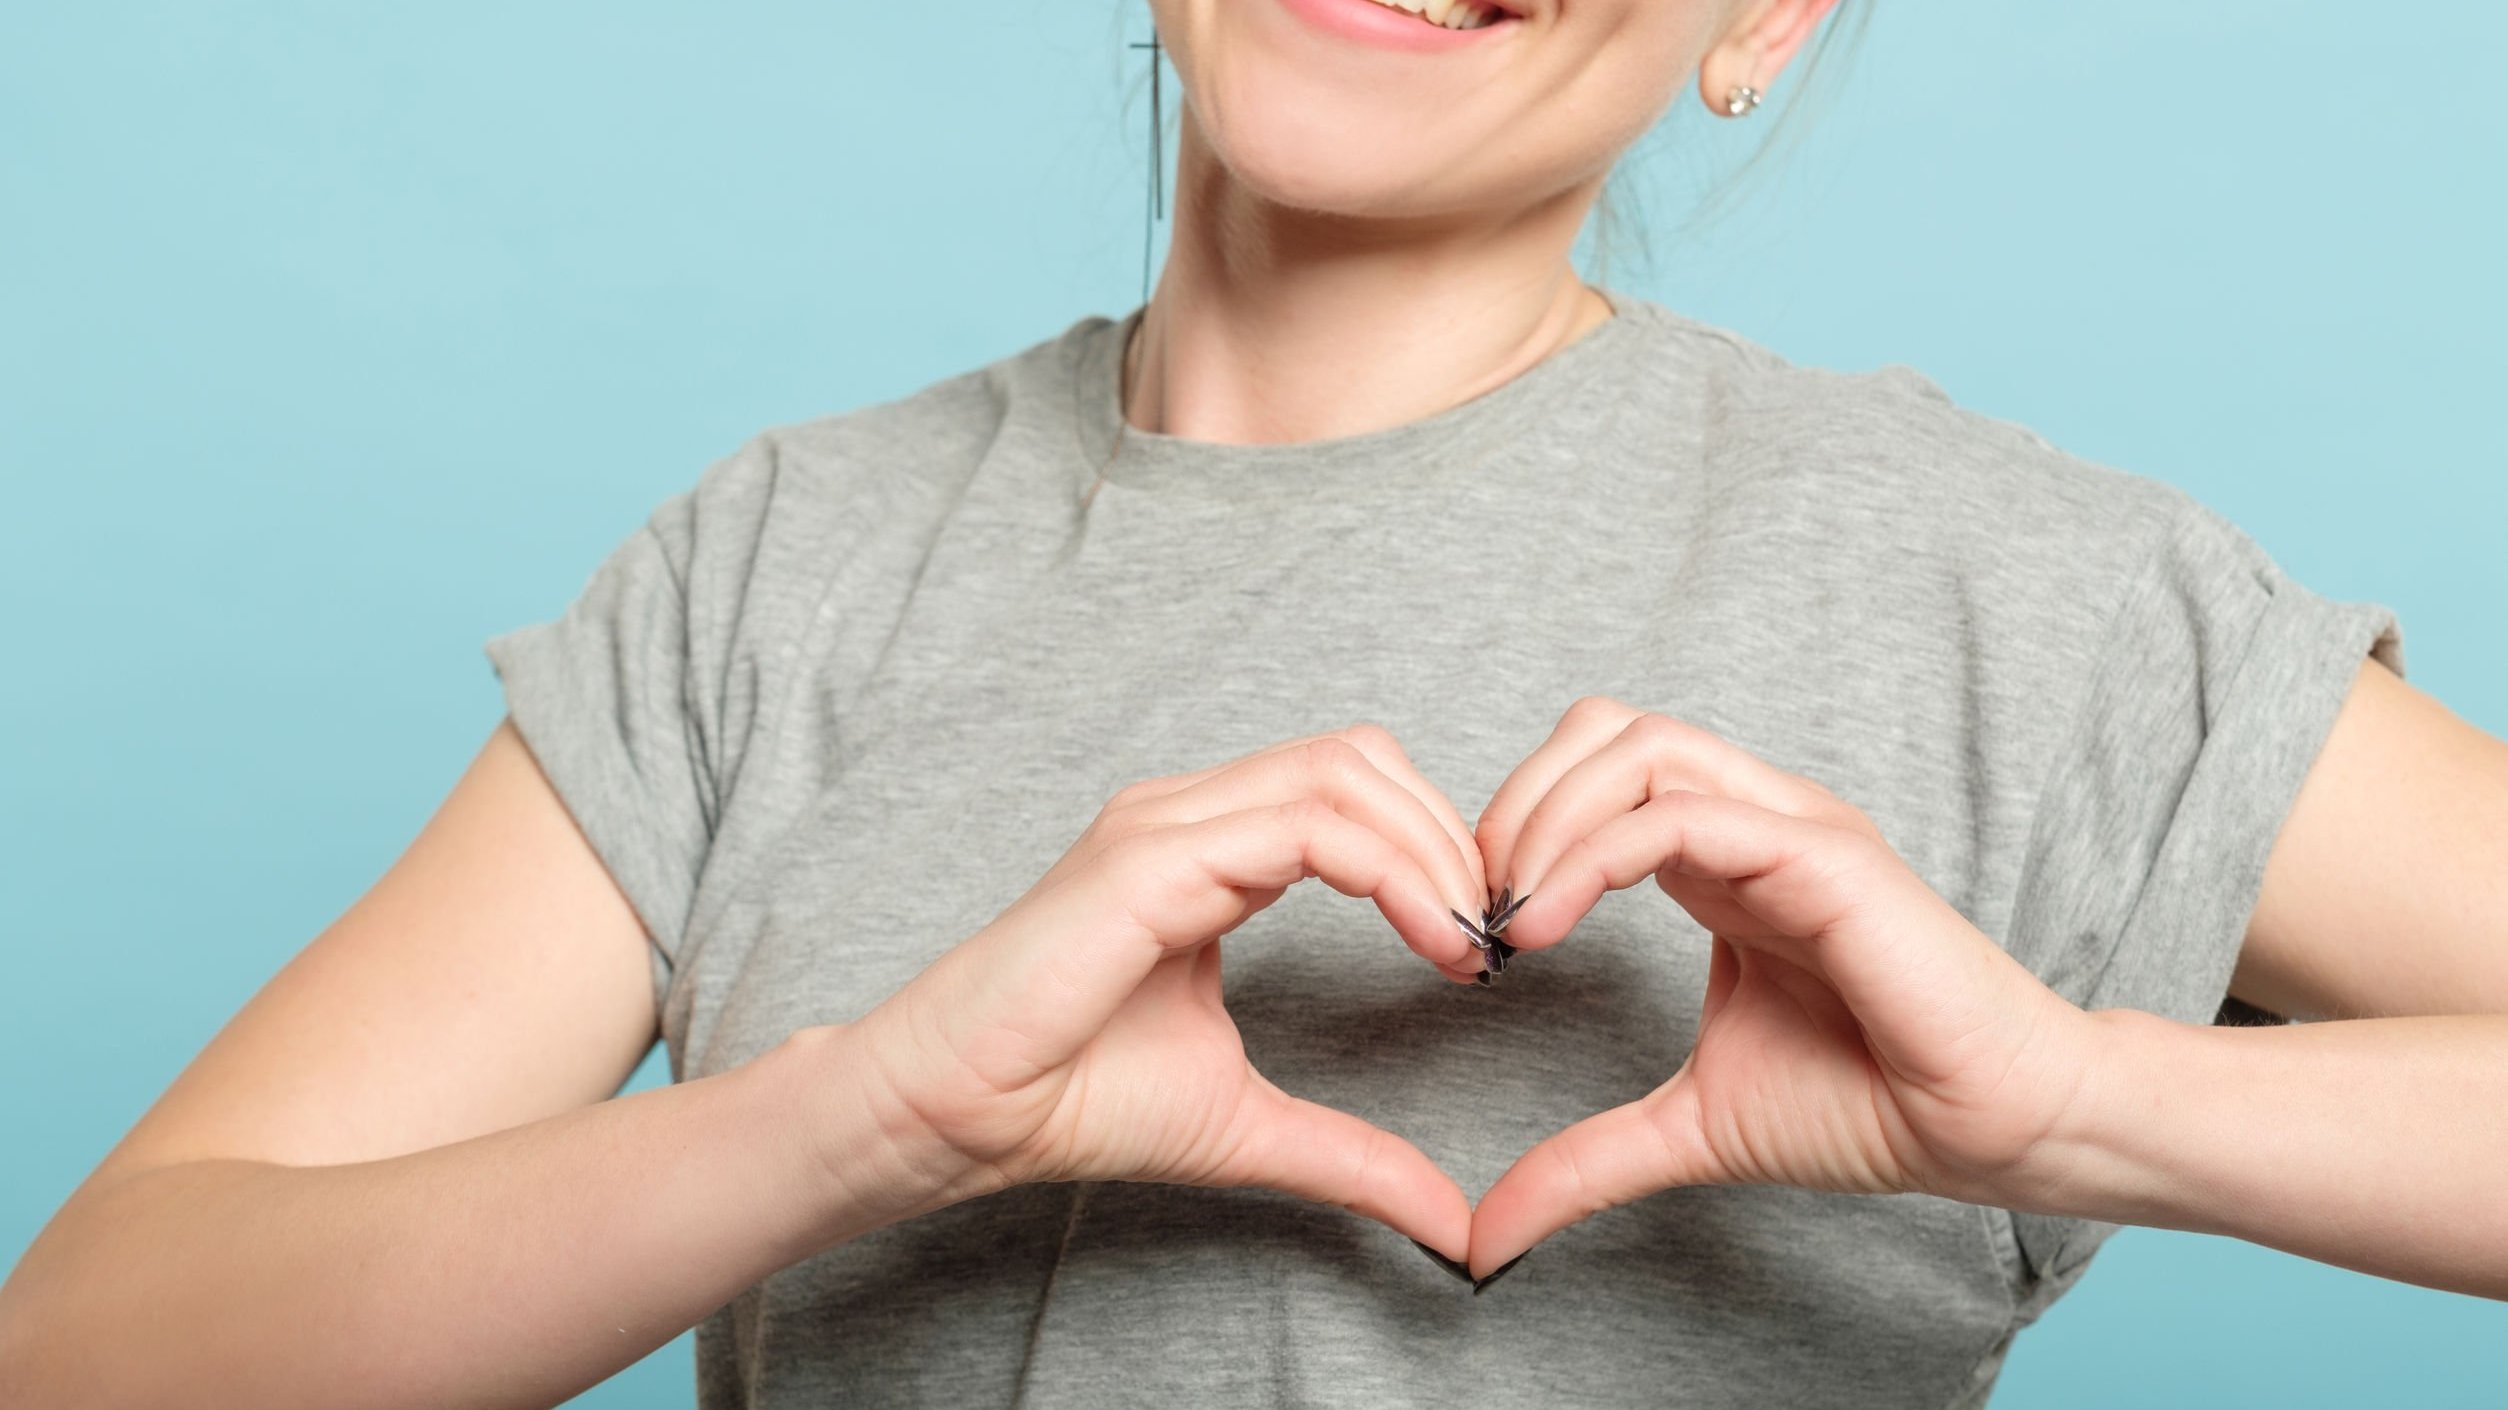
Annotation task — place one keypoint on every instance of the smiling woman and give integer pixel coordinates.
(1880, 806)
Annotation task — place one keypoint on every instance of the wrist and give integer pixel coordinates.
(2104, 1156)
(869, 1159)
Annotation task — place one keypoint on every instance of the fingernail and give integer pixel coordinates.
(1482, 1285)
(1490, 959)
(1446, 1263)
(1505, 910)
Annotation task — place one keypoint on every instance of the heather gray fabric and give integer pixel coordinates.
(844, 700)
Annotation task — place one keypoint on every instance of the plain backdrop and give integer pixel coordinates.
(335, 339)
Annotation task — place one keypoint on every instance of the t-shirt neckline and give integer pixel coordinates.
(1155, 459)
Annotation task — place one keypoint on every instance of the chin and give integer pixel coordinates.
(1309, 145)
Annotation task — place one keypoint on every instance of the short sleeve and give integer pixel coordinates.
(626, 697)
(2216, 685)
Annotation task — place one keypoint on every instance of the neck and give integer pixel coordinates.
(1272, 324)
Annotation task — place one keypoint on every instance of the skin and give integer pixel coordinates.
(1859, 1035)
(423, 1089)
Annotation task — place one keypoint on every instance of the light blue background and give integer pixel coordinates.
(335, 339)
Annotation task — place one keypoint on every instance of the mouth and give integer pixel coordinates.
(1425, 26)
(1449, 14)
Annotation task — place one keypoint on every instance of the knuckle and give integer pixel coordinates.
(1125, 859)
(1849, 865)
(1366, 735)
(1817, 801)
(1330, 756)
(1132, 809)
(1131, 796)
(1114, 824)
(1672, 755)
(1679, 797)
(1578, 1187)
(1854, 820)
(1146, 880)
(1658, 730)
(1363, 1166)
(1303, 815)
(1588, 708)
(1861, 821)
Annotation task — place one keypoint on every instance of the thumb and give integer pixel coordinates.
(1609, 1158)
(1316, 1152)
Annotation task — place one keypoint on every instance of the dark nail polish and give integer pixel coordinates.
(1444, 1262)
(1504, 911)
(1481, 1285)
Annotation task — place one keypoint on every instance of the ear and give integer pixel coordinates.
(1757, 46)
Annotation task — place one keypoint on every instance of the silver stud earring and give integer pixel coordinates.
(1741, 100)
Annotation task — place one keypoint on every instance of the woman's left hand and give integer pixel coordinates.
(1858, 1034)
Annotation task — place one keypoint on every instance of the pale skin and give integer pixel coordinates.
(397, 1177)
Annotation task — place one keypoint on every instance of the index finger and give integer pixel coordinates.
(1385, 751)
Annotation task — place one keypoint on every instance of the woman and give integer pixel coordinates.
(907, 771)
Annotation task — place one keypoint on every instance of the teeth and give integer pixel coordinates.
(1449, 14)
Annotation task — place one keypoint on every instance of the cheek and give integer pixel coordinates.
(1643, 61)
(1624, 96)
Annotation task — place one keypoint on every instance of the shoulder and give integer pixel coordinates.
(893, 451)
(871, 485)
(1886, 468)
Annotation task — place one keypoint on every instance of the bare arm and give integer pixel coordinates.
(1859, 1034)
(2376, 1144)
(2373, 1139)
(387, 1181)
(393, 1179)
(2387, 891)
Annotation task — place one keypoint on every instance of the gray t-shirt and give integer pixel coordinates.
(843, 701)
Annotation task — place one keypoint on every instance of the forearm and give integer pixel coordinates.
(2376, 1144)
(512, 1269)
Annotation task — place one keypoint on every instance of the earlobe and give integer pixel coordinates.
(1738, 72)
(1735, 74)
(1728, 90)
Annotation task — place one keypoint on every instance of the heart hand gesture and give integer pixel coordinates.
(1081, 1035)
(1858, 1035)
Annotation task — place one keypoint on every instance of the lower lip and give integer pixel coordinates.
(1371, 23)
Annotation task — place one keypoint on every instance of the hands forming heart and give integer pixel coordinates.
(1858, 1034)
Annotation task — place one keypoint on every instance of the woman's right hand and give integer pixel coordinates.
(1081, 1036)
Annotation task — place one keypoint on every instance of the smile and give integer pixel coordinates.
(1452, 14)
(1413, 26)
